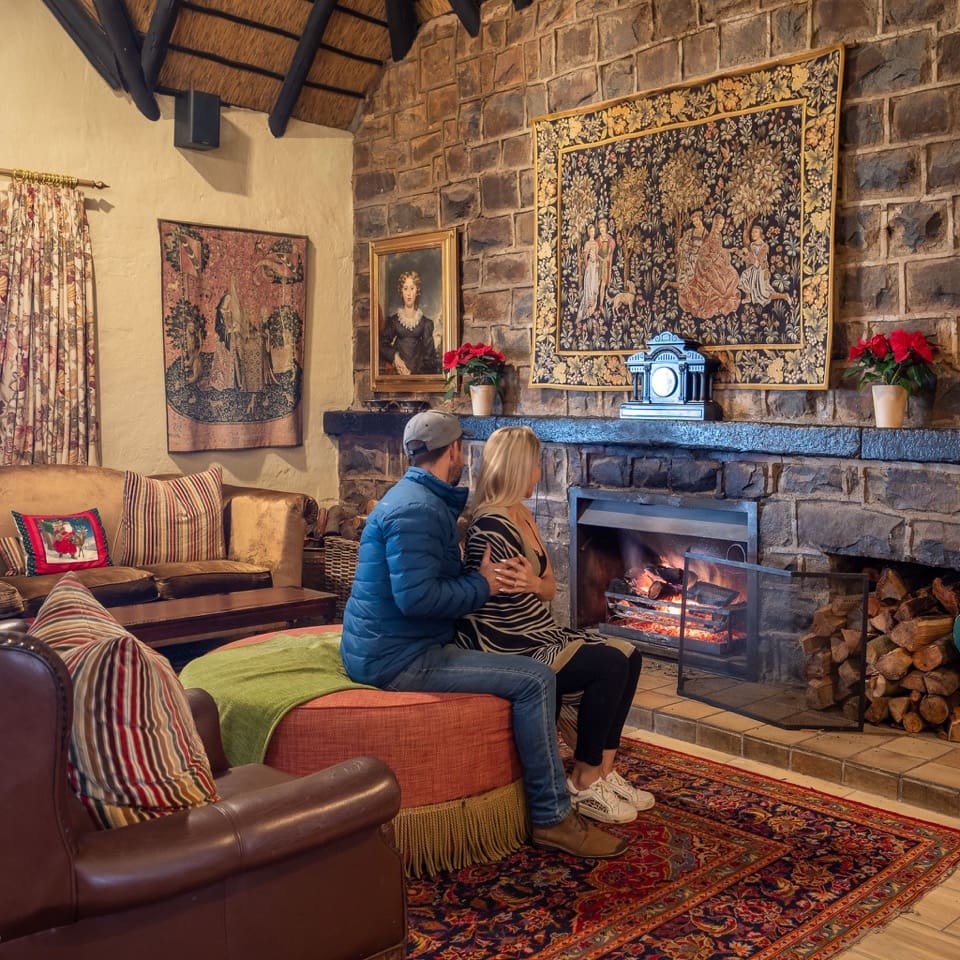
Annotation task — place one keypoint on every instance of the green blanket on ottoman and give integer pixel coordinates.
(257, 684)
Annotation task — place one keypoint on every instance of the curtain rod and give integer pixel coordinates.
(55, 178)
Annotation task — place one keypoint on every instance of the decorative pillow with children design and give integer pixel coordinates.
(55, 543)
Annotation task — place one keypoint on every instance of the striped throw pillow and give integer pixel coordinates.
(172, 521)
(71, 616)
(13, 559)
(135, 753)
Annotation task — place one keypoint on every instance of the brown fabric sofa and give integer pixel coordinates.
(264, 531)
(281, 867)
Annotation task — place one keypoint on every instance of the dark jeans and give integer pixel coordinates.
(608, 681)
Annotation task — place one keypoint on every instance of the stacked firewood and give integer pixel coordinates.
(912, 665)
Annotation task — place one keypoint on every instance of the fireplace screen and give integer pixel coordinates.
(785, 648)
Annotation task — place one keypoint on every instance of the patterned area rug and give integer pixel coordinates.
(728, 864)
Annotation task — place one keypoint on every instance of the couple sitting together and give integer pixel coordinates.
(423, 616)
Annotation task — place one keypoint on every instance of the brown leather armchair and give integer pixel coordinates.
(285, 867)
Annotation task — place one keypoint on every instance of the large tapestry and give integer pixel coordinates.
(233, 307)
(705, 209)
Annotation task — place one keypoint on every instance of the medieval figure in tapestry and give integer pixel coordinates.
(233, 337)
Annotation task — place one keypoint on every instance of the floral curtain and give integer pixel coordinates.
(48, 408)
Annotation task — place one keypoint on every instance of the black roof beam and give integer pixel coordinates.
(469, 13)
(116, 23)
(402, 20)
(89, 37)
(157, 40)
(300, 66)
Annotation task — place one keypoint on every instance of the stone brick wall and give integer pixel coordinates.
(446, 142)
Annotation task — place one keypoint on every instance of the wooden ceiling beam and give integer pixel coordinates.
(469, 13)
(157, 40)
(300, 66)
(402, 19)
(116, 23)
(88, 36)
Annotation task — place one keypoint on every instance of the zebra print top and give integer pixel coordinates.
(512, 622)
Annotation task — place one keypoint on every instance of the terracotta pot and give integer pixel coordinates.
(889, 404)
(482, 396)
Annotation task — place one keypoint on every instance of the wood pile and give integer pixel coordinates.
(912, 666)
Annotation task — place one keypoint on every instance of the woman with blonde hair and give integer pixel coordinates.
(518, 621)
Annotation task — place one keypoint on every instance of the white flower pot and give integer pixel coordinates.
(482, 396)
(889, 404)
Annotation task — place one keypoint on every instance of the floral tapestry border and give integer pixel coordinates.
(705, 209)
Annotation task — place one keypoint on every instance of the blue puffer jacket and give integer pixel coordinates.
(410, 585)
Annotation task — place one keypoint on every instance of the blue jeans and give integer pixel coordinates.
(530, 687)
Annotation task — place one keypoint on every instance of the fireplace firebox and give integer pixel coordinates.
(678, 578)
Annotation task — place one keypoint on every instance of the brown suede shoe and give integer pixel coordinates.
(576, 836)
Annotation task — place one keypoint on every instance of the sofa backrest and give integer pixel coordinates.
(58, 489)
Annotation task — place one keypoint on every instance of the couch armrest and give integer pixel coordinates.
(268, 527)
(206, 715)
(140, 864)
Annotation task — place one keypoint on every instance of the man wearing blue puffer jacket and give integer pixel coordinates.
(398, 626)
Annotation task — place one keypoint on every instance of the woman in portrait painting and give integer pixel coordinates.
(225, 368)
(406, 340)
(713, 289)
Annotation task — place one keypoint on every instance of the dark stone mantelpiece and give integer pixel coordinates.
(775, 439)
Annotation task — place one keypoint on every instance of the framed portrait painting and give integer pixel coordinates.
(413, 310)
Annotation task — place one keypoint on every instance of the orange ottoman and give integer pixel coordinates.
(460, 777)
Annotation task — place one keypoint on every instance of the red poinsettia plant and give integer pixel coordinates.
(472, 363)
(903, 359)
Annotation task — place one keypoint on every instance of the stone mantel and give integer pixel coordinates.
(774, 439)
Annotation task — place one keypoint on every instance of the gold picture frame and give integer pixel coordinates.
(408, 340)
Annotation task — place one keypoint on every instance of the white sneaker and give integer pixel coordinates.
(638, 799)
(599, 802)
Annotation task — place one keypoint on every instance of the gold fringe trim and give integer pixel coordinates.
(456, 833)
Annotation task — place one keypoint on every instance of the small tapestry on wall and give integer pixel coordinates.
(233, 308)
(704, 209)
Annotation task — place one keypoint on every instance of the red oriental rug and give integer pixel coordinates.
(729, 864)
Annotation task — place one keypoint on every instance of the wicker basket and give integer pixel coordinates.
(339, 566)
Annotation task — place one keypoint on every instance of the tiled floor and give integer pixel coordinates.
(919, 769)
(930, 930)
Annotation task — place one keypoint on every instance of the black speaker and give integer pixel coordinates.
(196, 122)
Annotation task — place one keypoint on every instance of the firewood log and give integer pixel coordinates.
(914, 680)
(877, 647)
(877, 710)
(848, 673)
(936, 654)
(895, 664)
(953, 725)
(916, 607)
(944, 681)
(948, 594)
(878, 687)
(916, 633)
(883, 622)
(935, 709)
(819, 693)
(825, 622)
(810, 643)
(913, 722)
(874, 605)
(819, 664)
(839, 651)
(844, 603)
(891, 586)
(850, 708)
(899, 706)
(852, 638)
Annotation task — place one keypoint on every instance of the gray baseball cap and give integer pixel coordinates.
(431, 430)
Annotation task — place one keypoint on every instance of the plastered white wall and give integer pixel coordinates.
(57, 114)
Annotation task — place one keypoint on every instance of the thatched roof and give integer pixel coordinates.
(316, 60)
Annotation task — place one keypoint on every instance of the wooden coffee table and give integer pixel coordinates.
(165, 622)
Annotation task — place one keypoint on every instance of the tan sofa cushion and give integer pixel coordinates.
(204, 577)
(112, 586)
